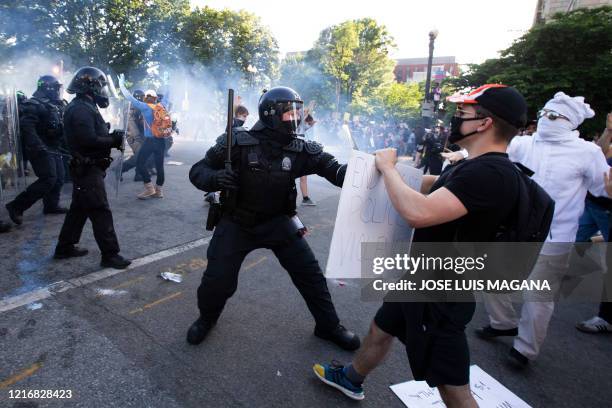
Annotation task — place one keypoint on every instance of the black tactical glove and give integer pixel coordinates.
(226, 180)
(117, 136)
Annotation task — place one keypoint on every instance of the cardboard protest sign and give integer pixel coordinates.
(487, 391)
(365, 214)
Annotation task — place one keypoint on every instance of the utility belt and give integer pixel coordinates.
(248, 218)
(80, 164)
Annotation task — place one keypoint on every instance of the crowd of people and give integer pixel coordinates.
(475, 196)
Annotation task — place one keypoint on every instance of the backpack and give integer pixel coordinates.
(528, 224)
(162, 122)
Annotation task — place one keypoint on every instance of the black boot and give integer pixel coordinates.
(516, 360)
(114, 261)
(14, 214)
(56, 210)
(487, 332)
(341, 337)
(4, 227)
(72, 252)
(199, 330)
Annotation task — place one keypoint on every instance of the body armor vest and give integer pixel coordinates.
(267, 180)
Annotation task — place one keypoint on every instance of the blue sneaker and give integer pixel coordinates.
(334, 375)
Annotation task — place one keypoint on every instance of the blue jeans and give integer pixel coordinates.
(593, 219)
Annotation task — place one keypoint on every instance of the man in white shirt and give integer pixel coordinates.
(566, 167)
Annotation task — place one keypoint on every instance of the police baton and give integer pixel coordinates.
(230, 123)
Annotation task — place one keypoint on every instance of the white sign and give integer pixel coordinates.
(427, 109)
(487, 392)
(365, 214)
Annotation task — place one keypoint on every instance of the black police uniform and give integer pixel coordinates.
(432, 159)
(261, 218)
(42, 134)
(90, 144)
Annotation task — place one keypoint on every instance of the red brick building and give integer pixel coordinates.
(415, 69)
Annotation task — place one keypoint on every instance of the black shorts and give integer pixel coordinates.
(434, 336)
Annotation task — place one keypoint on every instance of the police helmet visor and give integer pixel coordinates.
(52, 89)
(291, 113)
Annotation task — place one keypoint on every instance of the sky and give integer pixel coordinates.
(471, 30)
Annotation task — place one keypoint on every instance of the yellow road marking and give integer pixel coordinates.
(18, 377)
(257, 262)
(157, 302)
(198, 263)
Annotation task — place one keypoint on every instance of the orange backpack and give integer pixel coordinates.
(162, 122)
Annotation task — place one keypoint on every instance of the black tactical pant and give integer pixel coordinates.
(232, 242)
(89, 201)
(49, 168)
(433, 165)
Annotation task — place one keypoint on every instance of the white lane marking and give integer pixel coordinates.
(62, 286)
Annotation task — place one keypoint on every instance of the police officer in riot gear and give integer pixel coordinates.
(266, 160)
(431, 152)
(90, 144)
(42, 136)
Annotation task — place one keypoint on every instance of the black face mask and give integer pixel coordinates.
(54, 94)
(238, 122)
(289, 127)
(101, 101)
(455, 132)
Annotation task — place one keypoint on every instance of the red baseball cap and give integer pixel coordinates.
(503, 101)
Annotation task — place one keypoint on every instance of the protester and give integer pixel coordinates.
(602, 322)
(566, 167)
(135, 137)
(467, 204)
(153, 144)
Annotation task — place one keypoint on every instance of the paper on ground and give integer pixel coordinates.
(487, 391)
(365, 214)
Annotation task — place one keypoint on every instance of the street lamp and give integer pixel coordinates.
(427, 107)
(432, 37)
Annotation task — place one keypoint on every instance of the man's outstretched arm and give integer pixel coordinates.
(418, 209)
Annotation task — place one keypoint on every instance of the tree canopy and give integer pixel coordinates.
(570, 53)
(131, 36)
(349, 69)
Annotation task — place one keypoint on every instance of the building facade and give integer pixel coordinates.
(415, 69)
(545, 9)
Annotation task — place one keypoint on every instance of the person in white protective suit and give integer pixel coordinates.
(566, 167)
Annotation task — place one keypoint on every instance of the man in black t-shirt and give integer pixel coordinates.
(464, 204)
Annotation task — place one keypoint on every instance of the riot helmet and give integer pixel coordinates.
(281, 109)
(91, 81)
(138, 94)
(49, 86)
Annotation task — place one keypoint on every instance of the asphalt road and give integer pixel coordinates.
(119, 340)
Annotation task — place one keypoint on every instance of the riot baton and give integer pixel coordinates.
(230, 125)
(229, 197)
(215, 210)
